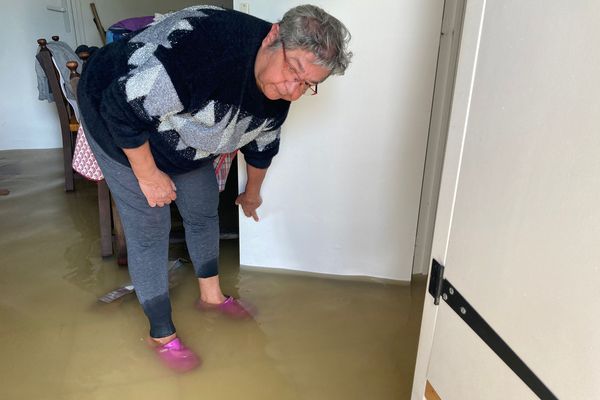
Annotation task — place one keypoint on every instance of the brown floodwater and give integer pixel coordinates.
(314, 337)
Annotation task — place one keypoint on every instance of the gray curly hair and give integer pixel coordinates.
(310, 28)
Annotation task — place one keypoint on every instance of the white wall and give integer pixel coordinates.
(342, 196)
(26, 122)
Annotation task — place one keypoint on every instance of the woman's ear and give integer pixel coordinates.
(271, 36)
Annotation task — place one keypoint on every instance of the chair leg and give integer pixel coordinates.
(68, 161)
(106, 248)
(119, 237)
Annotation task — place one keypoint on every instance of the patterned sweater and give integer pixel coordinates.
(186, 85)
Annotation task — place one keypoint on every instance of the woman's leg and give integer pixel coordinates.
(198, 203)
(147, 237)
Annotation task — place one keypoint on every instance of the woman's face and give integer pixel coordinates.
(286, 73)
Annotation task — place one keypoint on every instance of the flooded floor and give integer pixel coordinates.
(313, 337)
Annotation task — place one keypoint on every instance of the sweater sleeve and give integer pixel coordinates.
(260, 152)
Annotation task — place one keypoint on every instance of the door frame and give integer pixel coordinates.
(468, 52)
(438, 130)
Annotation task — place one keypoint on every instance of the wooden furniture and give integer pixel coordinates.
(66, 116)
(107, 208)
(104, 205)
(69, 127)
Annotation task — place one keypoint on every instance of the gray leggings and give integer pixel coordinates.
(147, 232)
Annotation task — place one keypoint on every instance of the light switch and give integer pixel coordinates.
(245, 8)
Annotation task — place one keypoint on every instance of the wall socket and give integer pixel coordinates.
(245, 8)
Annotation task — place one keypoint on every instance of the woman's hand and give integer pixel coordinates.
(158, 188)
(249, 202)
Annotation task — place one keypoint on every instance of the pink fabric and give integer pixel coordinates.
(84, 161)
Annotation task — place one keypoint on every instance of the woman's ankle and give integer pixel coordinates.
(213, 299)
(163, 340)
(210, 290)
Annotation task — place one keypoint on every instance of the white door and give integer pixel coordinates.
(518, 222)
(55, 18)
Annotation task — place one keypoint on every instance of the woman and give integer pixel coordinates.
(159, 106)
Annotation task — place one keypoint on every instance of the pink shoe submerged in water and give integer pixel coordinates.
(176, 356)
(231, 307)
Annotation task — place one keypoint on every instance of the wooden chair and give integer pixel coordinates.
(69, 127)
(66, 115)
(108, 210)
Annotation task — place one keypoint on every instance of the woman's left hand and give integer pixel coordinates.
(249, 203)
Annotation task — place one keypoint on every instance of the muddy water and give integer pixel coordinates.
(313, 337)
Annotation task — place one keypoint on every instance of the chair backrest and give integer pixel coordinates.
(63, 107)
(50, 65)
(73, 76)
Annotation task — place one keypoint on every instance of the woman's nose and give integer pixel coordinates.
(293, 89)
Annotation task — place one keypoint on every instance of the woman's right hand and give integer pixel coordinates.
(158, 188)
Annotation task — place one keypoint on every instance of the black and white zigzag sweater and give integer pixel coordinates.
(186, 84)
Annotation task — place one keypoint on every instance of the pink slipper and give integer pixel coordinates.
(231, 307)
(176, 356)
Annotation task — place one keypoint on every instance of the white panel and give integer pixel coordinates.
(526, 223)
(462, 367)
(342, 196)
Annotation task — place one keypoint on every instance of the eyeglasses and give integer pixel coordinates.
(304, 85)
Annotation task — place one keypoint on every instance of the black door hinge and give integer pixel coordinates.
(439, 287)
(436, 281)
